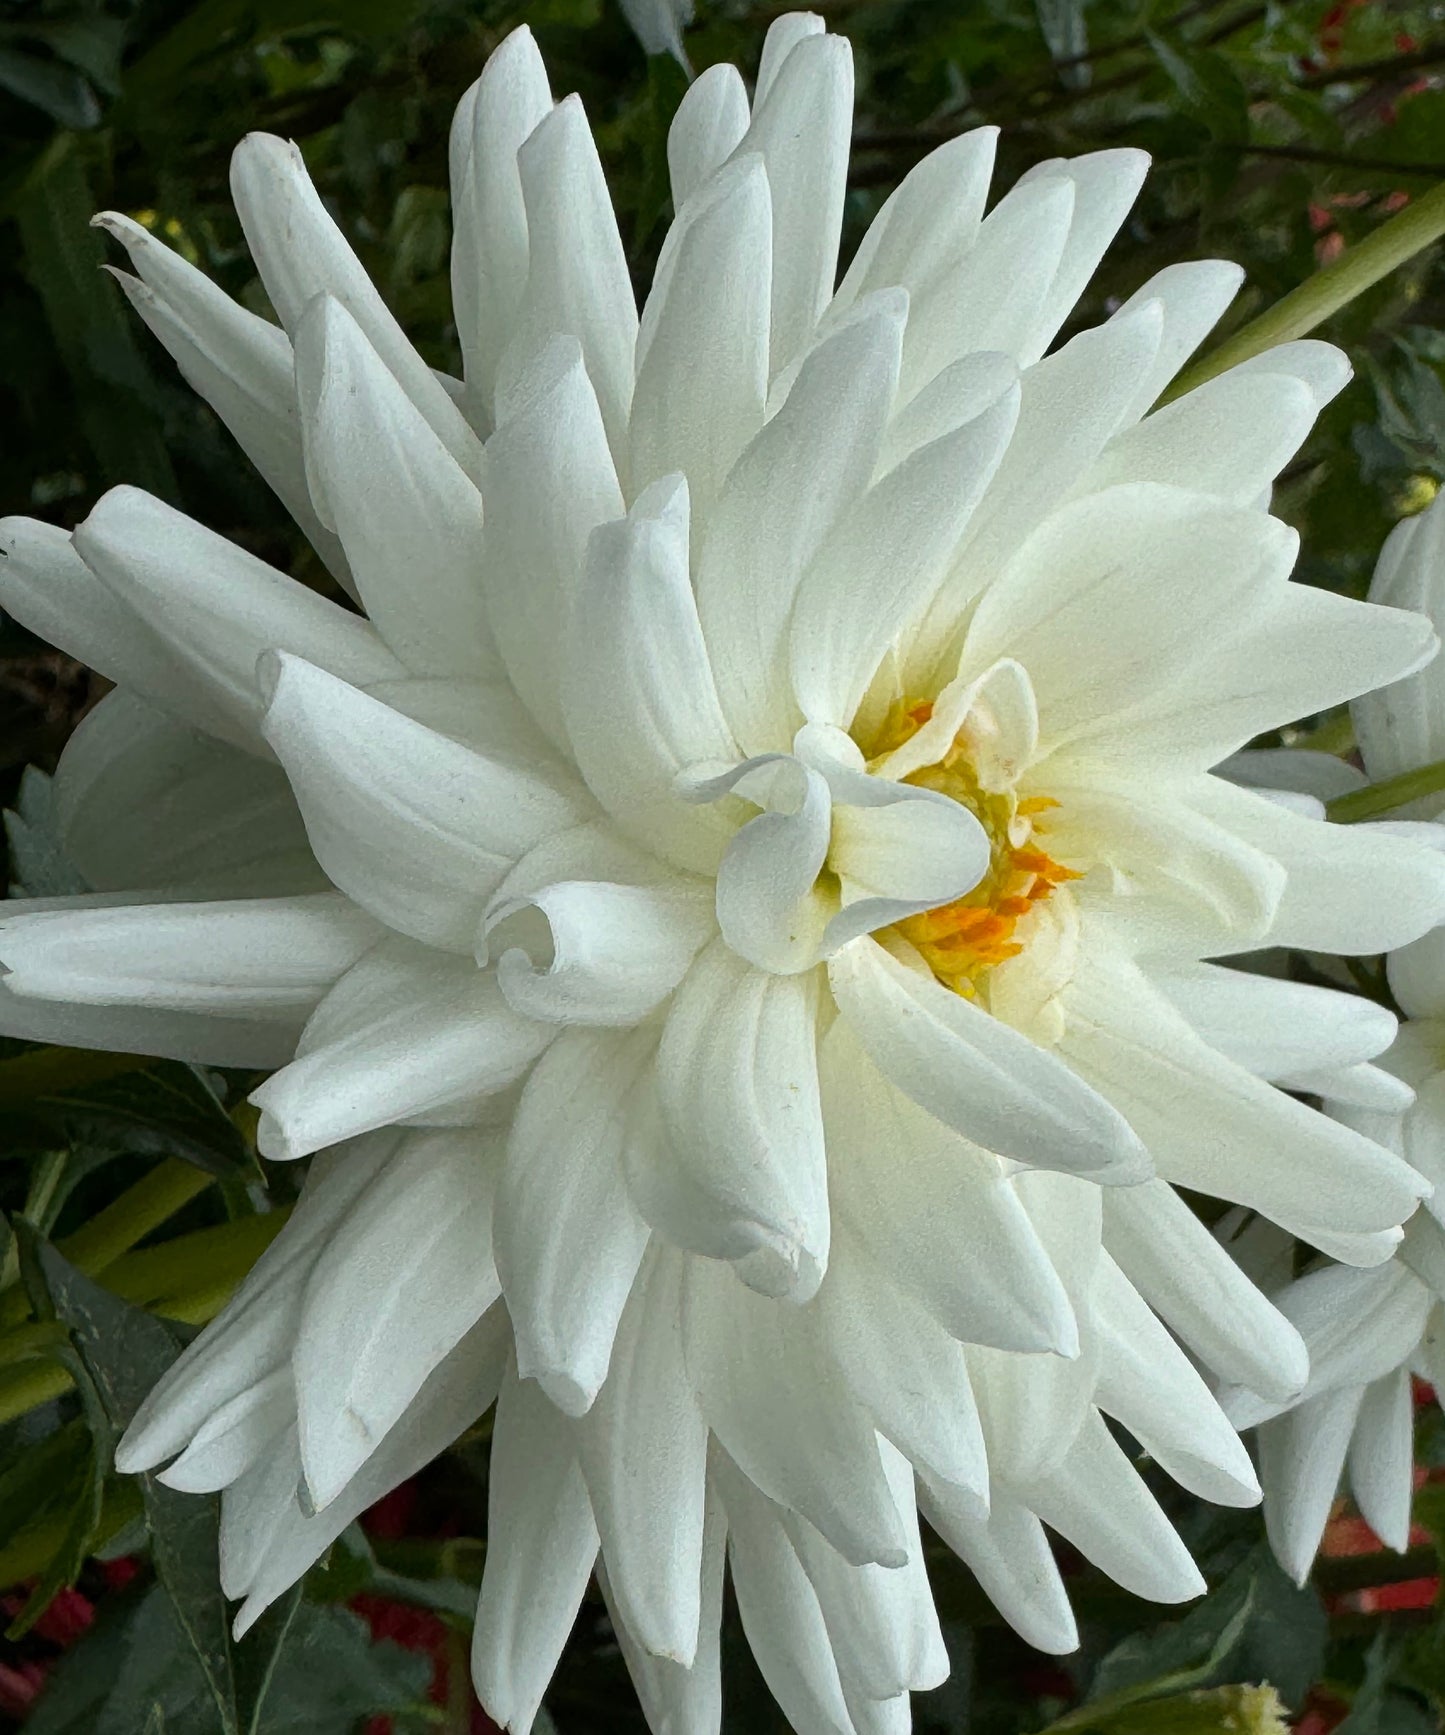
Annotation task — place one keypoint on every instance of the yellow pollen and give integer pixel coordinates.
(962, 941)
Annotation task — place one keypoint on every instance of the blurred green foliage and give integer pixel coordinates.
(1281, 133)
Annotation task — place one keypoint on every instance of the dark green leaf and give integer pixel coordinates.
(1209, 88)
(169, 1110)
(58, 91)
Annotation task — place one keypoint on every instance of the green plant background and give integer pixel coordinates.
(1280, 132)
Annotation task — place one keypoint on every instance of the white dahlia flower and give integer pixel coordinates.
(754, 1012)
(1367, 1331)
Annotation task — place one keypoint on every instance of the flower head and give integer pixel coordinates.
(747, 980)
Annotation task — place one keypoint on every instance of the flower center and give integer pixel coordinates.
(962, 941)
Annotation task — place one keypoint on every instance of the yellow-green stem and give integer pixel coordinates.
(1391, 792)
(153, 1200)
(53, 1071)
(1332, 287)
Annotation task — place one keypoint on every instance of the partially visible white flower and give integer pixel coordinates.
(1368, 1330)
(659, 24)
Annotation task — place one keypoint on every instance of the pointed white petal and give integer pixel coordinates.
(778, 1407)
(489, 220)
(637, 689)
(238, 362)
(253, 958)
(458, 1392)
(405, 1034)
(977, 1075)
(1193, 296)
(1096, 1500)
(710, 120)
(1301, 1456)
(542, 1542)
(235, 1436)
(547, 482)
(643, 1449)
(409, 518)
(568, 1239)
(414, 826)
(738, 1086)
(1106, 184)
(1381, 1459)
(300, 253)
(1009, 1555)
(706, 321)
(577, 283)
(231, 828)
(1200, 1293)
(218, 608)
(942, 1222)
(397, 1286)
(807, 465)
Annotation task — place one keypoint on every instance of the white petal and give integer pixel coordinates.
(252, 1336)
(779, 1409)
(1228, 438)
(414, 826)
(1273, 1027)
(397, 1286)
(927, 225)
(710, 120)
(1009, 1555)
(940, 1219)
(899, 855)
(405, 1034)
(1071, 404)
(254, 958)
(1301, 1456)
(50, 590)
(802, 125)
(901, 1365)
(643, 1448)
(1351, 888)
(577, 283)
(1114, 595)
(638, 690)
(238, 362)
(547, 482)
(990, 299)
(617, 951)
(706, 322)
(231, 827)
(568, 1239)
(235, 1436)
(780, 1615)
(1148, 1384)
(1106, 184)
(300, 253)
(806, 466)
(737, 1077)
(884, 558)
(1205, 1120)
(218, 608)
(769, 906)
(1098, 1502)
(1193, 296)
(409, 518)
(1381, 1459)
(1404, 726)
(977, 1075)
(459, 1390)
(1200, 1293)
(489, 220)
(542, 1542)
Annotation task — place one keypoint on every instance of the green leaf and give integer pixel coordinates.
(58, 91)
(1380, 1708)
(1209, 88)
(169, 1110)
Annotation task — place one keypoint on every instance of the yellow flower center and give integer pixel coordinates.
(962, 941)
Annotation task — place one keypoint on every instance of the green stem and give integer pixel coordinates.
(53, 1071)
(1387, 795)
(153, 1200)
(1331, 288)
